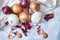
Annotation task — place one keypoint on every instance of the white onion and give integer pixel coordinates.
(13, 20)
(36, 18)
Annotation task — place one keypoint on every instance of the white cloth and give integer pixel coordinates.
(52, 27)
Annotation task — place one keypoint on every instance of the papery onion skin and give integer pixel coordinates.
(49, 16)
(27, 25)
(45, 35)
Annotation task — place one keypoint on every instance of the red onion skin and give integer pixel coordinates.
(6, 23)
(39, 27)
(24, 31)
(18, 26)
(49, 16)
(27, 25)
(15, 33)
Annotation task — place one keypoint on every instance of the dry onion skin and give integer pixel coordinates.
(40, 32)
(19, 35)
(45, 35)
(10, 36)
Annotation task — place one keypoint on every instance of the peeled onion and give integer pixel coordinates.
(13, 20)
(34, 6)
(36, 18)
(24, 17)
(17, 8)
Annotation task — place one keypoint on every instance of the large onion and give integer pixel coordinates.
(24, 17)
(13, 20)
(36, 18)
(16, 8)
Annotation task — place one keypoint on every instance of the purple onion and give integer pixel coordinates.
(6, 10)
(24, 3)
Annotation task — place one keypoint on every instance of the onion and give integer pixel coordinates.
(24, 17)
(24, 3)
(6, 10)
(13, 20)
(36, 18)
(34, 6)
(17, 8)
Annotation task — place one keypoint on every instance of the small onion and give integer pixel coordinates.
(13, 20)
(24, 17)
(17, 8)
(34, 6)
(6, 10)
(24, 3)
